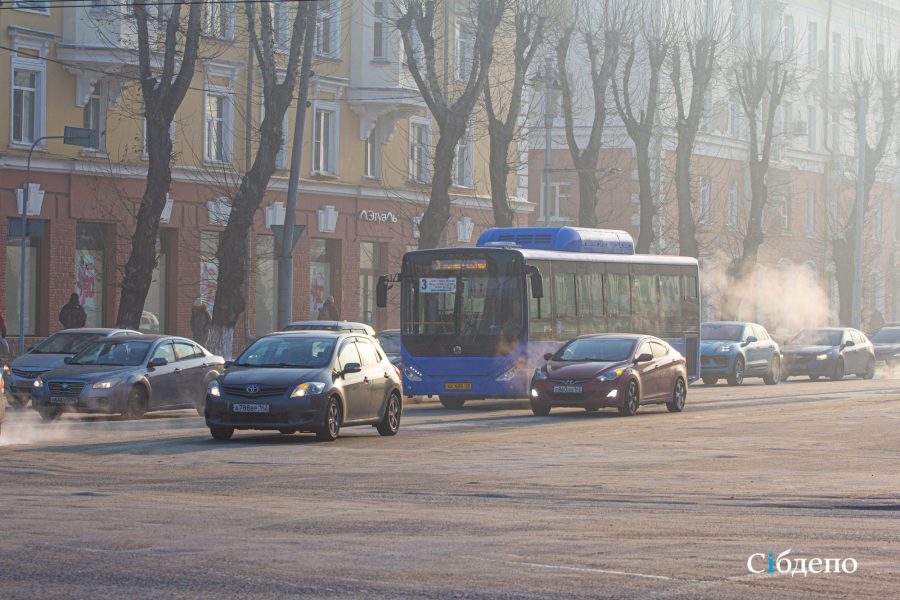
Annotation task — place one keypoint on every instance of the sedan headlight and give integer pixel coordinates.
(213, 389)
(102, 385)
(308, 389)
(411, 373)
(610, 375)
(38, 383)
(822, 357)
(539, 374)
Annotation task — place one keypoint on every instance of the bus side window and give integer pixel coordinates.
(590, 299)
(565, 315)
(670, 302)
(618, 302)
(646, 303)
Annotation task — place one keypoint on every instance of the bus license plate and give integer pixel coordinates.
(250, 408)
(567, 389)
(457, 386)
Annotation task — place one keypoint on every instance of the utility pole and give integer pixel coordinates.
(289, 232)
(548, 136)
(859, 209)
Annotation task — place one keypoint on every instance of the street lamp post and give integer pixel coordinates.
(549, 117)
(75, 136)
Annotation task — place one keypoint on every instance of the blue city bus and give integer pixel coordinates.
(476, 322)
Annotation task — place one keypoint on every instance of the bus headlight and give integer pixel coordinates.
(508, 374)
(411, 373)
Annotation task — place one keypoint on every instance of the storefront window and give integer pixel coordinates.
(153, 319)
(266, 284)
(371, 265)
(13, 275)
(90, 262)
(323, 260)
(209, 267)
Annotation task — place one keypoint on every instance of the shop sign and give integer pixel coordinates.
(377, 217)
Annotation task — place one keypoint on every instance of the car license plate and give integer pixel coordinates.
(63, 399)
(250, 408)
(457, 386)
(567, 389)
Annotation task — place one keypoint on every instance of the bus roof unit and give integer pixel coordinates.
(562, 239)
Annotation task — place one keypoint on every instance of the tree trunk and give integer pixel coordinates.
(142, 260)
(587, 192)
(500, 141)
(754, 238)
(437, 215)
(646, 235)
(842, 254)
(687, 227)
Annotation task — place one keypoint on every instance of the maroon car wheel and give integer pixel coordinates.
(678, 397)
(632, 400)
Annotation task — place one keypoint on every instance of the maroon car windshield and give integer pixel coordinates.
(596, 350)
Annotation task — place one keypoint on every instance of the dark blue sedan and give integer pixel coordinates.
(736, 350)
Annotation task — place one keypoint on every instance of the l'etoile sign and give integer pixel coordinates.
(377, 217)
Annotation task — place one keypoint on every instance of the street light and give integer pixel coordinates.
(74, 136)
(550, 85)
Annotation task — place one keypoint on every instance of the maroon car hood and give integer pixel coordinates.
(579, 370)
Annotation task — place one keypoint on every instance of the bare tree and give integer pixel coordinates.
(529, 23)
(276, 98)
(163, 89)
(590, 26)
(698, 44)
(879, 84)
(417, 27)
(637, 102)
(760, 82)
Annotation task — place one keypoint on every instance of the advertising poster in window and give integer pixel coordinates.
(209, 276)
(319, 287)
(86, 279)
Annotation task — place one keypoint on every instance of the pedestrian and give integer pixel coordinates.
(72, 315)
(200, 322)
(4, 345)
(329, 310)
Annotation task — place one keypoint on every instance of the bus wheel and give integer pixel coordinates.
(452, 402)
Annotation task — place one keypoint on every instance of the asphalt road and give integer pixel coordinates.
(485, 502)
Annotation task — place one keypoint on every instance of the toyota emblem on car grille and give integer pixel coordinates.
(252, 389)
(65, 386)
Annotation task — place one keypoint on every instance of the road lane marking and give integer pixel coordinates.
(583, 569)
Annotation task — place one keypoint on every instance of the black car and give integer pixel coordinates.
(829, 352)
(390, 343)
(316, 381)
(129, 375)
(887, 345)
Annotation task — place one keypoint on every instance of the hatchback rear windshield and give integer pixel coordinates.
(298, 352)
(66, 343)
(596, 350)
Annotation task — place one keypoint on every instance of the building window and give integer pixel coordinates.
(27, 111)
(90, 262)
(462, 162)
(419, 152)
(810, 213)
(835, 74)
(706, 116)
(705, 184)
(153, 319)
(209, 267)
(788, 40)
(324, 261)
(328, 23)
(372, 149)
(379, 27)
(811, 127)
(217, 127)
(859, 53)
(218, 19)
(465, 49)
(371, 264)
(266, 285)
(734, 121)
(733, 204)
(836, 132)
(324, 140)
(281, 24)
(812, 45)
(785, 210)
(32, 274)
(94, 117)
(560, 198)
(38, 6)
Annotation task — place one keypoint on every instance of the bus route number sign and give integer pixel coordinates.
(437, 285)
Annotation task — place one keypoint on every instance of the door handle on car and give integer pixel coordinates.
(365, 380)
(386, 376)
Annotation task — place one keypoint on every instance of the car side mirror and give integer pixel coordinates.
(381, 290)
(351, 368)
(229, 364)
(548, 356)
(645, 357)
(849, 344)
(751, 340)
(159, 361)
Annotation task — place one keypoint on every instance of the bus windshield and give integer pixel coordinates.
(463, 304)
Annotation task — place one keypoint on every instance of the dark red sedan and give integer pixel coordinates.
(620, 370)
